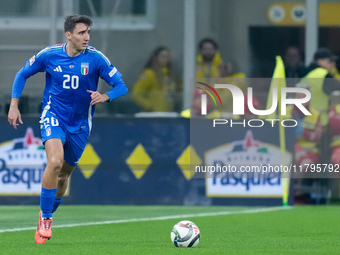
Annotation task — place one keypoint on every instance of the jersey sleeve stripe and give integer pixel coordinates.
(101, 54)
(56, 47)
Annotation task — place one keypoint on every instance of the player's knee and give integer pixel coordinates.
(55, 163)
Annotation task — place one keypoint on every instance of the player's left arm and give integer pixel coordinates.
(114, 78)
(119, 89)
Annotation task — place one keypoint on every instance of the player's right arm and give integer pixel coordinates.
(14, 113)
(33, 65)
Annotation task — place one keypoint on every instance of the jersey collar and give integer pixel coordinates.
(64, 49)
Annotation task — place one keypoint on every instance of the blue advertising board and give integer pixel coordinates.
(127, 161)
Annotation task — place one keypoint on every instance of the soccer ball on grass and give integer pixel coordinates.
(185, 234)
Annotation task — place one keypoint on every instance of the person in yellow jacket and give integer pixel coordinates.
(320, 81)
(208, 62)
(156, 89)
(335, 72)
(208, 59)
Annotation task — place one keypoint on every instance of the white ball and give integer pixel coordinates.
(185, 234)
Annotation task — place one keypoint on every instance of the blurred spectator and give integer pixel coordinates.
(334, 124)
(293, 64)
(207, 66)
(322, 84)
(228, 73)
(335, 72)
(210, 65)
(197, 103)
(308, 134)
(156, 88)
(321, 88)
(308, 131)
(334, 128)
(208, 59)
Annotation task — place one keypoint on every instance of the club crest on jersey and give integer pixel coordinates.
(84, 68)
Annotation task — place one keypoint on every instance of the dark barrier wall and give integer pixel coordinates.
(113, 140)
(113, 182)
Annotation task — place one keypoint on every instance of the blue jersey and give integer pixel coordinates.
(67, 81)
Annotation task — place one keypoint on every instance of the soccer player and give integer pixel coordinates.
(69, 99)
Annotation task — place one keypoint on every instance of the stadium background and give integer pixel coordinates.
(133, 183)
(127, 31)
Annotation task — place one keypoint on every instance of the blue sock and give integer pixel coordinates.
(47, 197)
(56, 204)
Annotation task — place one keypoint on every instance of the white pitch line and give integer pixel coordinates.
(260, 210)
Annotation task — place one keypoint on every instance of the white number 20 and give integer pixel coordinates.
(74, 81)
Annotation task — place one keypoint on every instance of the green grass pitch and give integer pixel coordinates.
(146, 230)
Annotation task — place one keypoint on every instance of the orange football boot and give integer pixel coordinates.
(37, 237)
(45, 229)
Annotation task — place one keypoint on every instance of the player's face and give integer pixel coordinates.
(80, 37)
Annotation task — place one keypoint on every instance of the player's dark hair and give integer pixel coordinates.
(207, 40)
(71, 22)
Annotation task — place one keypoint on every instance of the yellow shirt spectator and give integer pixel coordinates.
(151, 94)
(155, 90)
(208, 70)
(208, 59)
